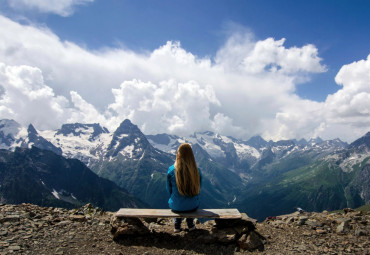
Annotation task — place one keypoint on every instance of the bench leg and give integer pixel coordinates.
(127, 227)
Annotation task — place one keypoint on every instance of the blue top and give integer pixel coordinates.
(178, 202)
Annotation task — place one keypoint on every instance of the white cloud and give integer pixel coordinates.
(169, 106)
(27, 99)
(247, 89)
(59, 7)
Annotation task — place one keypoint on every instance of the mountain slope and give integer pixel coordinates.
(314, 180)
(133, 163)
(45, 178)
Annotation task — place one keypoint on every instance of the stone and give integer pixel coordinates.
(79, 218)
(10, 218)
(127, 226)
(343, 227)
(245, 221)
(63, 223)
(226, 235)
(289, 220)
(321, 231)
(340, 220)
(348, 210)
(241, 229)
(250, 242)
(224, 238)
(302, 220)
(360, 232)
(59, 251)
(14, 248)
(313, 223)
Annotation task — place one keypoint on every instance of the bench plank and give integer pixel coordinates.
(167, 213)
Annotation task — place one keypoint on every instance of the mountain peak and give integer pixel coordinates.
(9, 127)
(315, 140)
(31, 129)
(257, 142)
(128, 140)
(362, 142)
(78, 129)
(126, 127)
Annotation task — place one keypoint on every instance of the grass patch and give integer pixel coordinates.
(364, 208)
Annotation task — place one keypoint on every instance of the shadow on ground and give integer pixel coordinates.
(195, 241)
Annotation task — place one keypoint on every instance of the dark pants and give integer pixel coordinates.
(189, 221)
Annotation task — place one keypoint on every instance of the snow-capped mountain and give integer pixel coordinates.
(234, 170)
(226, 150)
(86, 142)
(235, 153)
(10, 134)
(92, 143)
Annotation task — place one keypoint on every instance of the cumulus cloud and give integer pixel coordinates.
(59, 7)
(169, 106)
(248, 88)
(349, 108)
(27, 99)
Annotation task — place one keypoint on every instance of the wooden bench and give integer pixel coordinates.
(168, 213)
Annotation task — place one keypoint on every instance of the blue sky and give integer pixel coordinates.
(320, 38)
(340, 29)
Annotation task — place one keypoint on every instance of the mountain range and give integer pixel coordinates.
(260, 177)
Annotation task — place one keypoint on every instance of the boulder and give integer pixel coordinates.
(250, 242)
(79, 218)
(245, 222)
(127, 226)
(343, 227)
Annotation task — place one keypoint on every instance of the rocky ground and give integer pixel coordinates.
(29, 229)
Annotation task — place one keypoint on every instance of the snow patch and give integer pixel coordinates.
(128, 151)
(55, 194)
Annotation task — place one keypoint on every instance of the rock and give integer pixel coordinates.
(250, 242)
(14, 248)
(321, 231)
(343, 227)
(226, 235)
(302, 220)
(245, 221)
(10, 218)
(289, 220)
(64, 223)
(348, 210)
(58, 251)
(314, 223)
(127, 226)
(80, 218)
(224, 238)
(360, 232)
(340, 220)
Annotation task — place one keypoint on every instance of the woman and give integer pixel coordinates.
(183, 184)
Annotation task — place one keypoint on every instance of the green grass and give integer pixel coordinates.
(364, 208)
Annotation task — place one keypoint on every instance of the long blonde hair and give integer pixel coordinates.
(186, 171)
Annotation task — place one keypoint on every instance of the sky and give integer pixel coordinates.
(287, 69)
